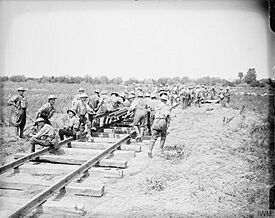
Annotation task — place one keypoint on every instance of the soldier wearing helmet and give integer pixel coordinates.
(45, 135)
(160, 124)
(139, 107)
(76, 98)
(47, 110)
(148, 100)
(227, 97)
(83, 110)
(20, 103)
(72, 127)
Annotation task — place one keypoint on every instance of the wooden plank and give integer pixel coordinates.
(9, 204)
(91, 152)
(40, 198)
(102, 146)
(58, 169)
(85, 190)
(95, 190)
(136, 148)
(78, 160)
(114, 131)
(123, 128)
(31, 156)
(109, 135)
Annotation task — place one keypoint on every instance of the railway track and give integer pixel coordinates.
(31, 187)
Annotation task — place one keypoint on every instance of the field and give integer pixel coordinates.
(216, 160)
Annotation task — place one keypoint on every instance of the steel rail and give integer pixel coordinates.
(43, 151)
(31, 156)
(46, 194)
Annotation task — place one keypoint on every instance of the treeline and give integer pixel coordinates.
(250, 78)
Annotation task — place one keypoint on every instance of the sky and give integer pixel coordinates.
(135, 39)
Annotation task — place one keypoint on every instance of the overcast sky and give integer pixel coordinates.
(141, 39)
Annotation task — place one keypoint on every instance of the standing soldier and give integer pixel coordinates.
(20, 103)
(221, 95)
(94, 100)
(47, 110)
(147, 101)
(82, 109)
(140, 118)
(45, 135)
(160, 124)
(227, 97)
(76, 98)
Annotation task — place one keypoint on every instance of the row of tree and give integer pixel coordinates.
(249, 78)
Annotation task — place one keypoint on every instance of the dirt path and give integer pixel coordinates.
(204, 171)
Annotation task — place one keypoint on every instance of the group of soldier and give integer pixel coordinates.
(149, 109)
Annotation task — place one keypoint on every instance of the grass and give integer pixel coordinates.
(37, 94)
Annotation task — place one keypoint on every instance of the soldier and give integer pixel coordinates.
(140, 118)
(47, 110)
(221, 95)
(82, 109)
(148, 100)
(160, 124)
(104, 106)
(227, 97)
(45, 135)
(198, 96)
(94, 100)
(20, 103)
(125, 101)
(76, 98)
(116, 100)
(72, 128)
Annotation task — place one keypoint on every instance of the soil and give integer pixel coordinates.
(206, 170)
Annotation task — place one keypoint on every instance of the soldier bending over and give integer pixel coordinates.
(160, 124)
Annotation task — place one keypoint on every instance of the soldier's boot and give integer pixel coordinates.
(21, 130)
(137, 132)
(17, 131)
(151, 146)
(141, 133)
(162, 142)
(89, 133)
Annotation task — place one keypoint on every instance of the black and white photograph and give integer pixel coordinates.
(137, 108)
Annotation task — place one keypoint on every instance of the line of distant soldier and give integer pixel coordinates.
(150, 110)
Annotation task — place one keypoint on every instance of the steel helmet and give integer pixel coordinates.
(52, 97)
(97, 91)
(147, 94)
(71, 110)
(131, 96)
(83, 95)
(104, 92)
(140, 94)
(21, 89)
(164, 97)
(81, 90)
(39, 119)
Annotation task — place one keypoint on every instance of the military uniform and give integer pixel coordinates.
(139, 107)
(44, 137)
(72, 128)
(46, 112)
(160, 124)
(21, 104)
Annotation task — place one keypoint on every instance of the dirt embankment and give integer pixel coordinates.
(213, 166)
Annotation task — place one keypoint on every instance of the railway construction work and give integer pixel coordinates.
(210, 167)
(45, 177)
